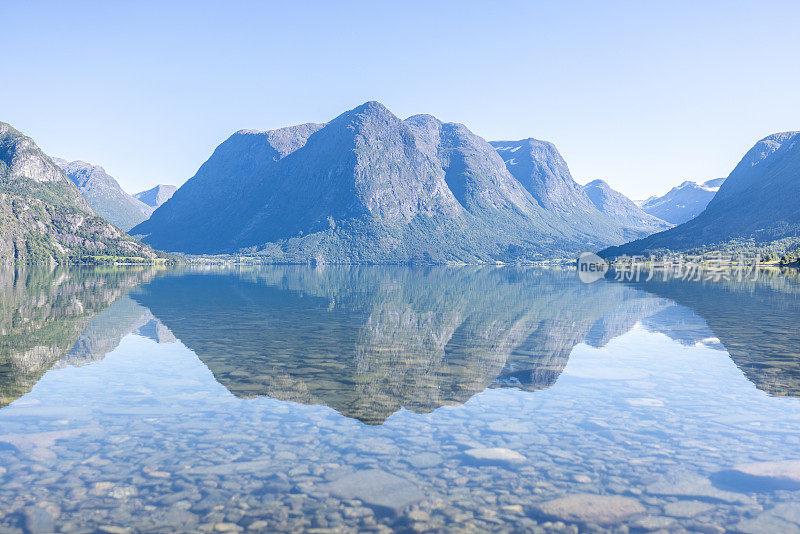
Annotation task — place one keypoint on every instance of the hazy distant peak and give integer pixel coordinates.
(683, 202)
(157, 195)
(80, 166)
(104, 194)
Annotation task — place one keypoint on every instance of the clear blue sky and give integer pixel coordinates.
(642, 94)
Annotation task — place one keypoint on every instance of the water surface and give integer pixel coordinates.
(390, 398)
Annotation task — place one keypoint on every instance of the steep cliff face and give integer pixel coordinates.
(43, 216)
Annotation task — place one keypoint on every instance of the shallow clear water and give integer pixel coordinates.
(387, 398)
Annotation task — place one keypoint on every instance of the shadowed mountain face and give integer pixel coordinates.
(368, 341)
(48, 316)
(368, 187)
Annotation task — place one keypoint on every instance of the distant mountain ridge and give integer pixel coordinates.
(157, 195)
(104, 194)
(621, 208)
(368, 187)
(683, 202)
(759, 201)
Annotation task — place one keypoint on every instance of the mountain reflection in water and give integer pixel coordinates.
(368, 341)
(46, 314)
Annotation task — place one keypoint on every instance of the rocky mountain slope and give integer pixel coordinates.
(157, 195)
(43, 216)
(758, 203)
(105, 195)
(369, 187)
(683, 202)
(622, 209)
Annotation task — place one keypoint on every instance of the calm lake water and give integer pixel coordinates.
(380, 399)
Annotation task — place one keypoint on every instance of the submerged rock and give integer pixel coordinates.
(590, 508)
(424, 459)
(784, 518)
(686, 508)
(692, 485)
(378, 489)
(494, 455)
(762, 476)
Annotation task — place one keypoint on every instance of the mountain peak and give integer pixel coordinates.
(371, 106)
(543, 172)
(598, 183)
(368, 111)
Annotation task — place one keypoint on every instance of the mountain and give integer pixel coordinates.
(621, 208)
(539, 167)
(43, 216)
(367, 187)
(759, 201)
(105, 195)
(156, 196)
(683, 202)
